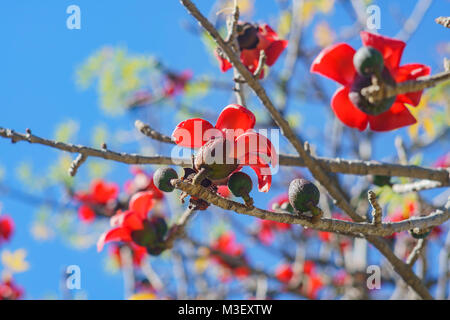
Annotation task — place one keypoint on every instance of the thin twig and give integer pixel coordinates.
(151, 133)
(377, 213)
(445, 21)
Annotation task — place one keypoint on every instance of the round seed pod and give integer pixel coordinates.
(303, 195)
(362, 103)
(368, 60)
(213, 157)
(162, 178)
(240, 184)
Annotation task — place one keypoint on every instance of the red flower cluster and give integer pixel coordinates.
(6, 228)
(268, 228)
(252, 39)
(226, 244)
(234, 125)
(336, 63)
(313, 281)
(134, 227)
(9, 290)
(100, 195)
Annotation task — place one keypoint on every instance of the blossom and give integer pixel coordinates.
(226, 244)
(6, 228)
(336, 63)
(284, 273)
(100, 193)
(9, 290)
(252, 39)
(134, 227)
(233, 133)
(142, 181)
(443, 161)
(268, 228)
(176, 83)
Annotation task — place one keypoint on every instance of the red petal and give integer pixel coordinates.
(268, 31)
(235, 117)
(86, 214)
(345, 110)
(252, 142)
(118, 234)
(390, 48)
(141, 203)
(250, 58)
(336, 63)
(190, 133)
(223, 63)
(396, 117)
(128, 219)
(411, 72)
(102, 192)
(274, 51)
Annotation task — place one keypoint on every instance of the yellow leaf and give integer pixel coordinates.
(15, 261)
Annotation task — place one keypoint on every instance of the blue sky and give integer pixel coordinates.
(39, 57)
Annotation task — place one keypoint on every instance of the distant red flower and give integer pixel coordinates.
(252, 39)
(176, 83)
(6, 228)
(9, 290)
(336, 63)
(127, 222)
(142, 181)
(313, 286)
(234, 125)
(284, 273)
(226, 244)
(268, 228)
(100, 194)
(278, 201)
(443, 161)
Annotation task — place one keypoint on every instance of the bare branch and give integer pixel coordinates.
(76, 164)
(355, 229)
(376, 213)
(149, 132)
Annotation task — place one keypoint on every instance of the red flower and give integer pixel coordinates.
(127, 222)
(336, 63)
(284, 273)
(6, 228)
(226, 244)
(9, 290)
(176, 83)
(142, 181)
(99, 194)
(234, 124)
(252, 39)
(313, 286)
(268, 228)
(278, 201)
(443, 161)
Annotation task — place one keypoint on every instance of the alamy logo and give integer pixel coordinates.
(73, 280)
(74, 20)
(373, 21)
(374, 280)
